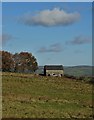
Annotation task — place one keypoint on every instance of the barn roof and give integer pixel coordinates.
(53, 67)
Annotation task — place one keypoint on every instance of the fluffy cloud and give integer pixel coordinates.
(47, 18)
(80, 40)
(55, 48)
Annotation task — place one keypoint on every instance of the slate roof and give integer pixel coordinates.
(53, 67)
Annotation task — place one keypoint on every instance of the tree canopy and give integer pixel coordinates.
(18, 62)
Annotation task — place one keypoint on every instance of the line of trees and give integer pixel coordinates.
(23, 62)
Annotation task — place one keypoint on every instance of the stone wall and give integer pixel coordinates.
(56, 72)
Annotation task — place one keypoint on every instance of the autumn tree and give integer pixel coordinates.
(0, 60)
(7, 61)
(24, 62)
(19, 62)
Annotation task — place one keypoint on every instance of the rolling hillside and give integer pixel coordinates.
(34, 96)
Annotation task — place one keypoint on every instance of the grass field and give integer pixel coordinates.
(33, 96)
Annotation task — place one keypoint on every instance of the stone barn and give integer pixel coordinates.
(53, 70)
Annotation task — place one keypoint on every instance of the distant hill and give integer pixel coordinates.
(79, 70)
(73, 70)
(40, 70)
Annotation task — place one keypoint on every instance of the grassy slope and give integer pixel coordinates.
(45, 97)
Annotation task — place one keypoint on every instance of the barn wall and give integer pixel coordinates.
(54, 71)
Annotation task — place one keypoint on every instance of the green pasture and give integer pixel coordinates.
(34, 96)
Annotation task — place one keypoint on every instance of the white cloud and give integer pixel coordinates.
(54, 17)
(79, 40)
(54, 48)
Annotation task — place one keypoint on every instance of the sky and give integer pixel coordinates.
(54, 32)
(47, 0)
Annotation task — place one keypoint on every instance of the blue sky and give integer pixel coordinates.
(54, 32)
